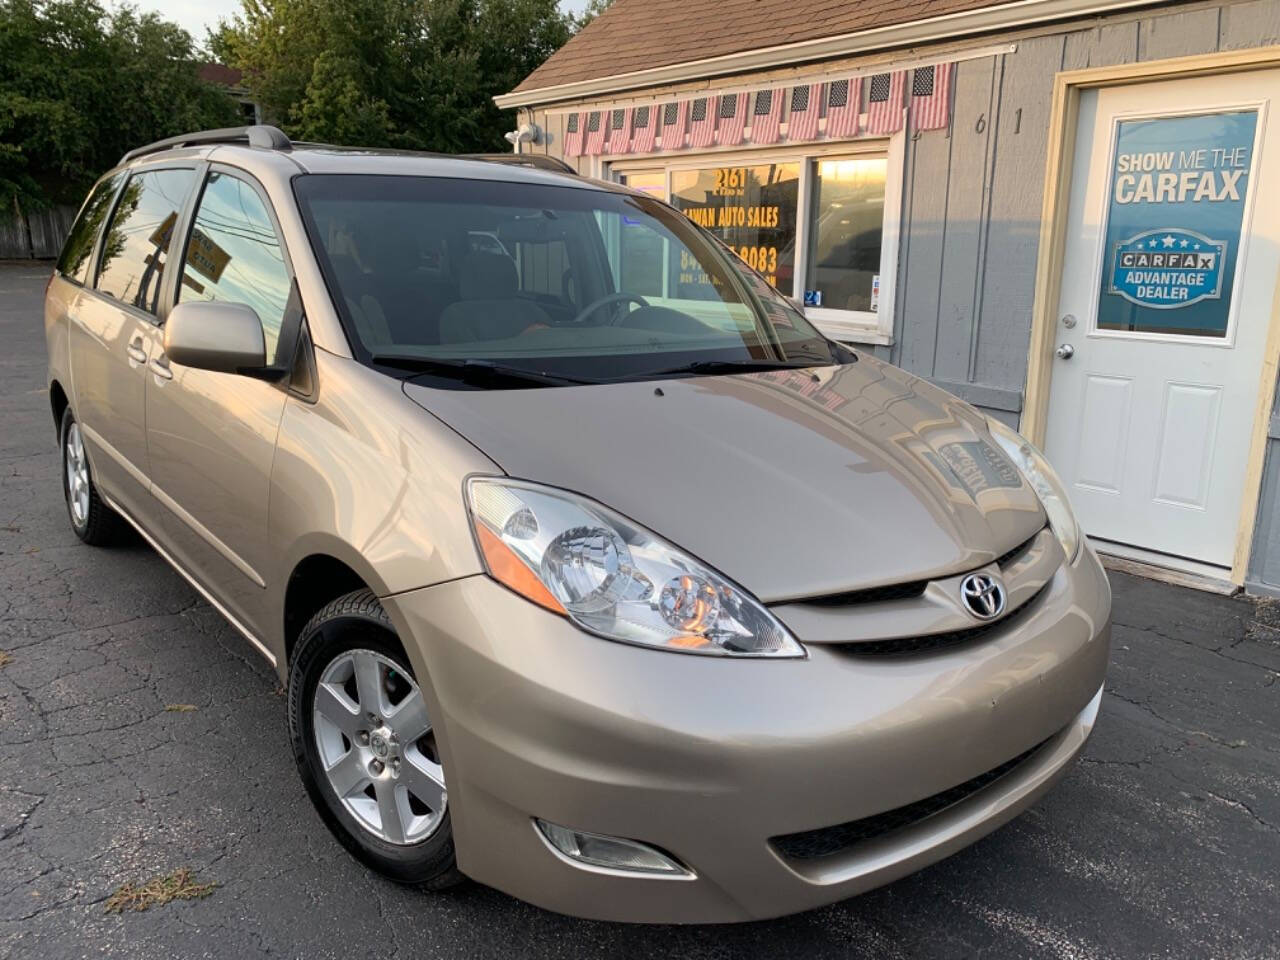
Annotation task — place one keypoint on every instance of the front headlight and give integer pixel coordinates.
(1035, 468)
(613, 578)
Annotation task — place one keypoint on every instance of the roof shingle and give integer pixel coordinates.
(638, 34)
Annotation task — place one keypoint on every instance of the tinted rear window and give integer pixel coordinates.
(78, 250)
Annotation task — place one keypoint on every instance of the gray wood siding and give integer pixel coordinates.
(972, 194)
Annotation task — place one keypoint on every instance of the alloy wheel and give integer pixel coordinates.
(77, 468)
(377, 747)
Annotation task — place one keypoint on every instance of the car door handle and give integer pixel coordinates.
(135, 352)
(160, 367)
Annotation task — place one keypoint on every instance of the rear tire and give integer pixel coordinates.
(361, 753)
(91, 519)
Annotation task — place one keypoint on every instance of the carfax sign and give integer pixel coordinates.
(1178, 187)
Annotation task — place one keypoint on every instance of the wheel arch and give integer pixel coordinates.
(320, 575)
(58, 403)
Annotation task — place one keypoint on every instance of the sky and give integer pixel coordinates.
(196, 16)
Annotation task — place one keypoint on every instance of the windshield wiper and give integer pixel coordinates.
(727, 366)
(473, 370)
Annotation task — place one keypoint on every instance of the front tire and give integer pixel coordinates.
(92, 520)
(365, 747)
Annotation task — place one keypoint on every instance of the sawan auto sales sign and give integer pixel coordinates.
(1178, 190)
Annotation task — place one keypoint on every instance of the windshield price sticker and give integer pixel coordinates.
(1176, 208)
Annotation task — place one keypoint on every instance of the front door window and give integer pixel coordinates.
(234, 256)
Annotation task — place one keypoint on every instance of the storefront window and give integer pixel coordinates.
(846, 221)
(750, 208)
(643, 253)
(831, 252)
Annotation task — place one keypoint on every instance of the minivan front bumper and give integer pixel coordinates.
(712, 760)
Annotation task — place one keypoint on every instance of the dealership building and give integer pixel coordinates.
(1066, 212)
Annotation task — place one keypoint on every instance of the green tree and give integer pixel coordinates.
(592, 10)
(417, 74)
(80, 85)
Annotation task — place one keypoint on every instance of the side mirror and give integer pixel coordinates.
(209, 335)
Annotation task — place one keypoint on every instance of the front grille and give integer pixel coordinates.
(828, 841)
(931, 642)
(1005, 559)
(893, 591)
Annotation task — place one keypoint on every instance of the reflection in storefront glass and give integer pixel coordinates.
(643, 252)
(844, 245)
(751, 208)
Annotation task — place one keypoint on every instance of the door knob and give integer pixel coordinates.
(1065, 352)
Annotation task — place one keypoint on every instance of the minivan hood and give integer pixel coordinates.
(794, 483)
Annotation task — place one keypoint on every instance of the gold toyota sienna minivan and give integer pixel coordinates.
(594, 572)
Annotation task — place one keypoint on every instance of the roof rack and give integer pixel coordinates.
(260, 135)
(539, 160)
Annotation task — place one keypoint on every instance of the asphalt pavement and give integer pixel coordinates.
(1164, 841)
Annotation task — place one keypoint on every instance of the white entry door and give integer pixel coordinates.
(1169, 277)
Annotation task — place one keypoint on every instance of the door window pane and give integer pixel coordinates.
(77, 251)
(847, 218)
(234, 255)
(750, 208)
(137, 243)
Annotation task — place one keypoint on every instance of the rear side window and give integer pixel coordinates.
(234, 254)
(78, 250)
(141, 232)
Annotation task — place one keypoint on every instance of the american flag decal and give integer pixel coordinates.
(844, 103)
(674, 116)
(702, 122)
(573, 136)
(884, 102)
(766, 117)
(619, 131)
(806, 105)
(594, 144)
(733, 119)
(642, 138)
(931, 96)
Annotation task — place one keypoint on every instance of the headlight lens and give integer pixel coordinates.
(1035, 468)
(613, 578)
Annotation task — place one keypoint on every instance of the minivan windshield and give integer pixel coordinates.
(446, 277)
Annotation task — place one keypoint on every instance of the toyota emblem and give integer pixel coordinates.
(983, 595)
